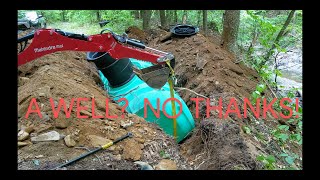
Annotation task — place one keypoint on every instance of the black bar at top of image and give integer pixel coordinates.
(160, 4)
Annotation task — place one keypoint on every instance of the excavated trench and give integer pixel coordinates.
(201, 66)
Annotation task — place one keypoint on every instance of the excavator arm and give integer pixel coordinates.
(46, 41)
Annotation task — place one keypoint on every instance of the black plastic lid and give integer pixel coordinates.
(184, 30)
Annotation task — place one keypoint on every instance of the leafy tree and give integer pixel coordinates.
(280, 35)
(146, 15)
(205, 20)
(175, 16)
(185, 17)
(231, 22)
(163, 19)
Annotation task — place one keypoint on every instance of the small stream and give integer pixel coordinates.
(290, 65)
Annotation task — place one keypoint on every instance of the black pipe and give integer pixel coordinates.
(118, 72)
(129, 134)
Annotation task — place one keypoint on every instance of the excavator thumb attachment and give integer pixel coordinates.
(155, 76)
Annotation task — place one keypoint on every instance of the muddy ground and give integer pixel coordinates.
(201, 66)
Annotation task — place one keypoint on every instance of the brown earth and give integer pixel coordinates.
(68, 75)
(201, 66)
(205, 68)
(219, 146)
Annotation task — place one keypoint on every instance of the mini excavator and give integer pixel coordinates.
(46, 41)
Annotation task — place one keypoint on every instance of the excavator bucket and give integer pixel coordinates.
(155, 76)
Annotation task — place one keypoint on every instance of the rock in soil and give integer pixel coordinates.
(22, 81)
(22, 135)
(28, 129)
(61, 122)
(49, 136)
(20, 144)
(44, 92)
(144, 165)
(117, 157)
(125, 125)
(69, 141)
(166, 164)
(39, 156)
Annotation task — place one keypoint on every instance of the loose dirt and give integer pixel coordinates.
(201, 66)
(68, 75)
(205, 68)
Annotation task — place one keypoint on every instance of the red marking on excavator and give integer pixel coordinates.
(46, 41)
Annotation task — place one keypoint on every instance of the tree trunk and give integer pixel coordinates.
(163, 18)
(141, 14)
(136, 14)
(198, 17)
(98, 16)
(205, 20)
(255, 35)
(156, 15)
(279, 36)
(169, 17)
(231, 21)
(175, 16)
(63, 13)
(146, 15)
(184, 17)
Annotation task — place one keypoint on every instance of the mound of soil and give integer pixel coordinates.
(201, 66)
(218, 146)
(207, 69)
(68, 75)
(136, 33)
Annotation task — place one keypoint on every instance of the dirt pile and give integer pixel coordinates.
(218, 146)
(136, 33)
(207, 69)
(203, 67)
(68, 75)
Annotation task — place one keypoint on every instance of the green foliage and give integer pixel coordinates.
(280, 134)
(257, 93)
(265, 25)
(289, 158)
(268, 161)
(21, 14)
(261, 88)
(51, 15)
(214, 16)
(291, 93)
(256, 21)
(164, 155)
(246, 129)
(284, 127)
(265, 71)
(278, 72)
(217, 17)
